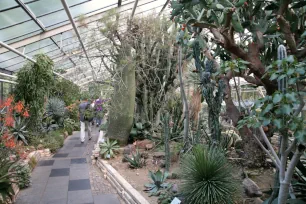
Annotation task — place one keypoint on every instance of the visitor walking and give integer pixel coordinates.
(85, 120)
(99, 112)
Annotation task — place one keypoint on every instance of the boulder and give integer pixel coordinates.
(142, 144)
(159, 155)
(40, 146)
(128, 149)
(251, 188)
(149, 146)
(145, 155)
(174, 188)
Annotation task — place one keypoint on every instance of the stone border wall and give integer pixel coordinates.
(124, 189)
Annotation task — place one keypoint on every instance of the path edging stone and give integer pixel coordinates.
(125, 189)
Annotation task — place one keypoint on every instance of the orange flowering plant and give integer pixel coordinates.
(12, 122)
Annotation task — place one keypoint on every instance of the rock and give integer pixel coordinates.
(149, 146)
(40, 146)
(93, 162)
(174, 188)
(124, 159)
(66, 134)
(251, 188)
(162, 163)
(142, 144)
(128, 149)
(258, 201)
(137, 174)
(145, 155)
(159, 155)
(174, 176)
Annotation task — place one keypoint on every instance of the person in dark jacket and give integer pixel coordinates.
(85, 122)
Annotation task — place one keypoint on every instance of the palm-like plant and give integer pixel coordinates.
(158, 182)
(207, 177)
(108, 148)
(136, 161)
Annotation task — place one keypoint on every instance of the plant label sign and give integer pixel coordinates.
(176, 201)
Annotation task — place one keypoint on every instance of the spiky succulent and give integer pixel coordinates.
(136, 161)
(158, 182)
(207, 177)
(55, 108)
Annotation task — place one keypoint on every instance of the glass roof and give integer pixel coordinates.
(43, 26)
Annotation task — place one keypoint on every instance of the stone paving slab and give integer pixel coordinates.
(69, 178)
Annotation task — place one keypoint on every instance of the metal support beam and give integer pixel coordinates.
(7, 75)
(8, 81)
(66, 7)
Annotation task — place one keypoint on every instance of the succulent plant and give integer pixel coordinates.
(136, 161)
(158, 182)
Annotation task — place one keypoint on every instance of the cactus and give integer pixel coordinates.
(282, 54)
(166, 141)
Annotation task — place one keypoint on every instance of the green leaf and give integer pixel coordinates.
(286, 109)
(293, 126)
(237, 24)
(273, 76)
(277, 123)
(266, 121)
(219, 6)
(300, 135)
(290, 96)
(300, 70)
(281, 77)
(208, 13)
(267, 108)
(292, 81)
(290, 72)
(299, 4)
(277, 98)
(240, 3)
(290, 59)
(304, 34)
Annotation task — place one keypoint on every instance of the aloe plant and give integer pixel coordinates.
(108, 148)
(136, 161)
(158, 182)
(19, 131)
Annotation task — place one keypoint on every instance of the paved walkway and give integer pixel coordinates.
(69, 178)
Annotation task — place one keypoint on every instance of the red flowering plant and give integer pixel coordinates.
(13, 117)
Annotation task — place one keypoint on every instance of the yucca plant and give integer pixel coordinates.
(136, 161)
(207, 177)
(108, 148)
(158, 182)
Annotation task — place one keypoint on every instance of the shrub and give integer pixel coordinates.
(24, 176)
(136, 161)
(207, 177)
(9, 173)
(56, 109)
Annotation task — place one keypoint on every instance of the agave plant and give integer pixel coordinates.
(158, 182)
(108, 148)
(55, 108)
(136, 161)
(207, 177)
(19, 130)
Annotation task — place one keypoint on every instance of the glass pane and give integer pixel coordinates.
(7, 56)
(11, 62)
(37, 45)
(40, 8)
(4, 4)
(54, 18)
(13, 16)
(16, 67)
(16, 39)
(18, 30)
(91, 6)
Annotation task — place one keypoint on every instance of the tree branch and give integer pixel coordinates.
(291, 147)
(285, 27)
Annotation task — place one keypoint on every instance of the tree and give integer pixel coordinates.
(243, 36)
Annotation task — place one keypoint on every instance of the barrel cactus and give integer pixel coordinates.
(282, 54)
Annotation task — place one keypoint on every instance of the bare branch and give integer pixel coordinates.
(285, 27)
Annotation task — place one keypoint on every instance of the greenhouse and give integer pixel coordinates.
(152, 101)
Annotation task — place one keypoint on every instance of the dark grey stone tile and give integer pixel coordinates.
(80, 197)
(106, 199)
(60, 155)
(45, 163)
(65, 163)
(81, 184)
(79, 161)
(60, 172)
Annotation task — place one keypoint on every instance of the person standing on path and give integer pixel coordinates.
(85, 120)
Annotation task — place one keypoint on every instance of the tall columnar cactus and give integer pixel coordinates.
(212, 98)
(166, 141)
(282, 54)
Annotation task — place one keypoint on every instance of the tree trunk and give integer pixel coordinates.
(251, 152)
(123, 105)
